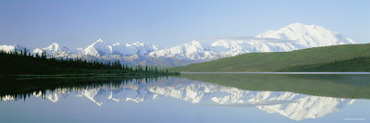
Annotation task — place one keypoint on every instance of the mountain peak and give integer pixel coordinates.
(11, 48)
(55, 44)
(98, 48)
(298, 25)
(195, 46)
(307, 35)
(303, 27)
(52, 47)
(100, 40)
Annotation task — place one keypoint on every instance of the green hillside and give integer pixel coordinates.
(354, 57)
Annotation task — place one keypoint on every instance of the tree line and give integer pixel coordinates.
(18, 60)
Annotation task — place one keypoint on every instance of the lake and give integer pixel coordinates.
(196, 98)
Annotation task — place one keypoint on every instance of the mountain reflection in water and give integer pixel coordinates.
(292, 105)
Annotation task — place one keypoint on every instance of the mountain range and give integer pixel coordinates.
(292, 37)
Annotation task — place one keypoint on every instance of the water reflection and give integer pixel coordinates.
(294, 106)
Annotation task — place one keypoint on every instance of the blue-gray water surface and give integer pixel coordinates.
(177, 100)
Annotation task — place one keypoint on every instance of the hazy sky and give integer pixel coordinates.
(78, 23)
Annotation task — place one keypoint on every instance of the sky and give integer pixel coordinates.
(167, 23)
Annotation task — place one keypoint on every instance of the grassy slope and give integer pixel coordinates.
(342, 86)
(354, 57)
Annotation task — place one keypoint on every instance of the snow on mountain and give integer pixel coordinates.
(193, 50)
(101, 48)
(134, 48)
(232, 48)
(117, 48)
(11, 48)
(55, 49)
(307, 35)
(291, 105)
(98, 48)
(37, 51)
(292, 37)
(197, 51)
(143, 48)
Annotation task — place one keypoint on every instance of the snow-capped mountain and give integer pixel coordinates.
(292, 37)
(55, 50)
(98, 48)
(193, 50)
(101, 48)
(11, 48)
(291, 105)
(307, 35)
(196, 51)
(128, 53)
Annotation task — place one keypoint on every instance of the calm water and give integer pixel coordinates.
(190, 98)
